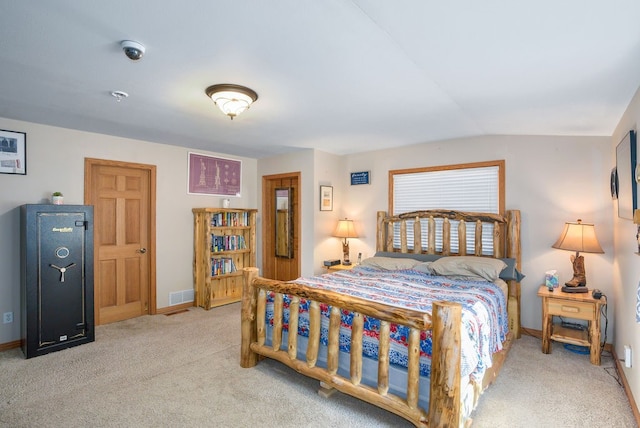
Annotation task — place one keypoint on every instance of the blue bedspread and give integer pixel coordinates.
(484, 313)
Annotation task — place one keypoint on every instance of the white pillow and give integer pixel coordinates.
(390, 263)
(484, 267)
(424, 267)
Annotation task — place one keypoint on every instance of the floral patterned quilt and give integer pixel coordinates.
(484, 314)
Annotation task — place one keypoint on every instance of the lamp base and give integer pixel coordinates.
(579, 277)
(576, 282)
(345, 253)
(580, 289)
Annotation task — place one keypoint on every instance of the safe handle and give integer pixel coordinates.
(62, 270)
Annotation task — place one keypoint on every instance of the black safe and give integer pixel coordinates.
(56, 277)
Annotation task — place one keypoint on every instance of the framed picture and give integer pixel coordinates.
(210, 175)
(361, 177)
(13, 152)
(326, 198)
(625, 167)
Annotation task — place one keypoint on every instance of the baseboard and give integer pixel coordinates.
(9, 345)
(161, 311)
(623, 379)
(627, 388)
(175, 308)
(532, 332)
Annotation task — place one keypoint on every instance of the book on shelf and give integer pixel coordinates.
(230, 219)
(222, 266)
(227, 243)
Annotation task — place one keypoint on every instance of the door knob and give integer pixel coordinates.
(142, 250)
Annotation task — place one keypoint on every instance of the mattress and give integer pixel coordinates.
(484, 314)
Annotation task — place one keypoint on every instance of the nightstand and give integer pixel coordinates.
(580, 306)
(335, 268)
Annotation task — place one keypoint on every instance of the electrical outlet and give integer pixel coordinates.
(7, 318)
(627, 356)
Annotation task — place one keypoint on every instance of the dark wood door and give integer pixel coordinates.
(280, 268)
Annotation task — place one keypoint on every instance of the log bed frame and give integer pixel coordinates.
(445, 321)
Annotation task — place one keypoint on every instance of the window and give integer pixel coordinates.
(476, 187)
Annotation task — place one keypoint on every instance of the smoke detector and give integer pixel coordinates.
(119, 95)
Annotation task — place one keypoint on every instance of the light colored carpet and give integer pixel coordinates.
(183, 371)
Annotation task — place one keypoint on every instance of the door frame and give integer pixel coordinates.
(268, 218)
(89, 164)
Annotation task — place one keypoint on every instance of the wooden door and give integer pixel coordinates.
(280, 268)
(123, 196)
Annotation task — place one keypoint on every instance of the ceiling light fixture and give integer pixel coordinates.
(119, 95)
(231, 99)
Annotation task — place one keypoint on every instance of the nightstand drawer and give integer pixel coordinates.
(568, 308)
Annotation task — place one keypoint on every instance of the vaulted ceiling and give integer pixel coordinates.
(337, 75)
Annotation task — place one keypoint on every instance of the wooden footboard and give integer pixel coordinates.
(445, 390)
(444, 403)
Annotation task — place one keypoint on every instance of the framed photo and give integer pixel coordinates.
(625, 167)
(13, 152)
(210, 175)
(326, 198)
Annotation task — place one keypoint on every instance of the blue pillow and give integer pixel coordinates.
(510, 273)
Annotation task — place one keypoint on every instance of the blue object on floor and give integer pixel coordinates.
(583, 350)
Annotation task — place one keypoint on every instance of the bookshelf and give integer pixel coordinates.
(224, 242)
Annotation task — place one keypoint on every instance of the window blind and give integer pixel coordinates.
(463, 189)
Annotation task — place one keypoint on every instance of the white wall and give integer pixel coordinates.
(550, 179)
(329, 171)
(626, 270)
(317, 168)
(302, 162)
(55, 162)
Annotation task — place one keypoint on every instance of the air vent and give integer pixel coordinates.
(178, 297)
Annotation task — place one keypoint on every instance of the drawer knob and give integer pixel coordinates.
(570, 309)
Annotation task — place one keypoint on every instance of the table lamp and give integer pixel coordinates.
(578, 237)
(345, 230)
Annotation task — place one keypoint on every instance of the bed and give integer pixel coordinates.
(430, 384)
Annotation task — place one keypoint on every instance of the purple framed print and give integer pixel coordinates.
(209, 175)
(13, 152)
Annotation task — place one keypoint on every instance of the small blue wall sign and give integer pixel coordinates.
(361, 177)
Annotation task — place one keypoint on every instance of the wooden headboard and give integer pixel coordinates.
(505, 238)
(444, 321)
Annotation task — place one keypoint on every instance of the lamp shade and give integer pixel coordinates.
(231, 99)
(345, 229)
(579, 237)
